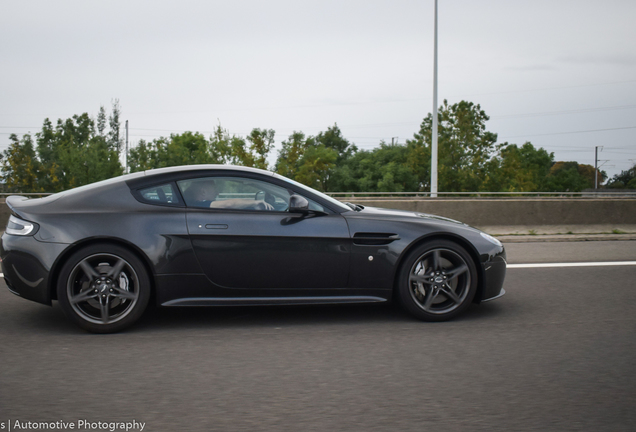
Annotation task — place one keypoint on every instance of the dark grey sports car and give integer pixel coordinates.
(210, 235)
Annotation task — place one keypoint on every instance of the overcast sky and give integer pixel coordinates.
(558, 73)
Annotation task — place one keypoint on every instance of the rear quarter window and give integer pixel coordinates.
(165, 194)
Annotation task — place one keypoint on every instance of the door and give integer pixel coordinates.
(244, 236)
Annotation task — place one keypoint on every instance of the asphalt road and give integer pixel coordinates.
(557, 353)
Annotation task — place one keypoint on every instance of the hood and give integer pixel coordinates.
(382, 213)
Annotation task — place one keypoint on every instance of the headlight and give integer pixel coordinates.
(19, 227)
(490, 238)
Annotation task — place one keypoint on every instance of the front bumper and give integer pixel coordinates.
(494, 272)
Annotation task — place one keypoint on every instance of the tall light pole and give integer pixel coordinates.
(126, 155)
(434, 131)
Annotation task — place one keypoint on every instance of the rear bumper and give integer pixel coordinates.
(26, 264)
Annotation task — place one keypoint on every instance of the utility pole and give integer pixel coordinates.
(596, 166)
(434, 131)
(126, 155)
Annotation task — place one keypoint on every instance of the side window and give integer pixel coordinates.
(162, 194)
(236, 193)
(313, 205)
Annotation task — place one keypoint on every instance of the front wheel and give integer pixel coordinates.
(103, 288)
(438, 281)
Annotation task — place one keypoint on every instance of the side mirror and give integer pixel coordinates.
(298, 204)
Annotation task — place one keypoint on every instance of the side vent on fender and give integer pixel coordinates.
(374, 239)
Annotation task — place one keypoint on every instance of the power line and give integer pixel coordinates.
(391, 100)
(578, 111)
(571, 132)
(20, 127)
(521, 115)
(554, 88)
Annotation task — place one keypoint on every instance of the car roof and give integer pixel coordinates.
(150, 177)
(98, 192)
(204, 167)
(138, 178)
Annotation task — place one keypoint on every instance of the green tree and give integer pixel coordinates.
(464, 152)
(625, 180)
(315, 166)
(68, 155)
(114, 139)
(187, 148)
(519, 169)
(20, 166)
(383, 169)
(261, 144)
(291, 152)
(101, 121)
(316, 161)
(142, 157)
(191, 148)
(226, 148)
(231, 149)
(50, 174)
(568, 177)
(589, 172)
(73, 154)
(332, 138)
(100, 161)
(307, 160)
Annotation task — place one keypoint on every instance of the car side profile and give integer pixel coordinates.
(214, 235)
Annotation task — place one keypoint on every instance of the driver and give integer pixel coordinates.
(205, 194)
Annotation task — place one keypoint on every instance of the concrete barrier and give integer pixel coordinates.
(498, 212)
(511, 212)
(4, 214)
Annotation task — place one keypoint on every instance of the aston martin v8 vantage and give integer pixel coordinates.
(212, 235)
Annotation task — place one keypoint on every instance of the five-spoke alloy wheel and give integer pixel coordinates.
(438, 280)
(103, 288)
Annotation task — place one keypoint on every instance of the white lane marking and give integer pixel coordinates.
(574, 264)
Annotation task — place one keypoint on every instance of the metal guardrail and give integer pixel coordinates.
(223, 194)
(587, 194)
(604, 194)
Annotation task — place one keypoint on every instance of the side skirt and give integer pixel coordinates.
(271, 301)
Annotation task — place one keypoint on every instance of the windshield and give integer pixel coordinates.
(327, 198)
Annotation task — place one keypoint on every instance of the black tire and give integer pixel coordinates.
(437, 281)
(103, 288)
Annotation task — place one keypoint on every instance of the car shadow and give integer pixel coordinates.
(184, 318)
(51, 320)
(267, 316)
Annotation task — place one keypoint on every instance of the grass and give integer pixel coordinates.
(533, 232)
(617, 231)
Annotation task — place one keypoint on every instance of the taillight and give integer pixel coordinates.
(17, 226)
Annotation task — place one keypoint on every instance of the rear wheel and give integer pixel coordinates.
(438, 281)
(103, 288)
